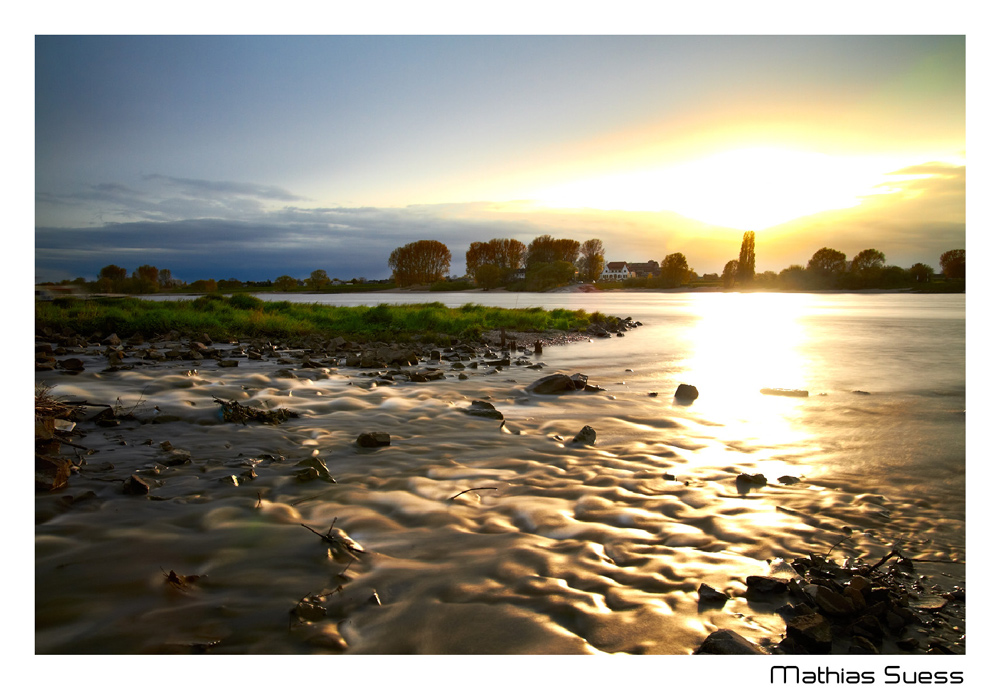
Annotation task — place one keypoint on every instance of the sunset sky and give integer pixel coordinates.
(253, 157)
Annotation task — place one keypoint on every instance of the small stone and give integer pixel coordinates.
(751, 480)
(711, 596)
(177, 458)
(811, 631)
(833, 603)
(373, 439)
(586, 436)
(228, 363)
(727, 642)
(135, 486)
(763, 587)
(686, 393)
(483, 409)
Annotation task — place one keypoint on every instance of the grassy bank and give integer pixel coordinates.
(245, 316)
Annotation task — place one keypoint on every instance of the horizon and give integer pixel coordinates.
(243, 156)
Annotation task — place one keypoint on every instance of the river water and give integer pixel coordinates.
(561, 547)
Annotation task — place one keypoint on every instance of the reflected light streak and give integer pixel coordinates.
(742, 343)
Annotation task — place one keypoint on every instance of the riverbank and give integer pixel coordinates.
(245, 316)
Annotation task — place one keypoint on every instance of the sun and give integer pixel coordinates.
(746, 189)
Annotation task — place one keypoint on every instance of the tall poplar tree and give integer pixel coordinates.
(747, 260)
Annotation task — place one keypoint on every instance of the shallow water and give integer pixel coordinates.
(561, 547)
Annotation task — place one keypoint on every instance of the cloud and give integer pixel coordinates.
(201, 188)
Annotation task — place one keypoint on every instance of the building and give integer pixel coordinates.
(643, 270)
(616, 270)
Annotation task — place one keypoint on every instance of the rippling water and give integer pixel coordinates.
(561, 548)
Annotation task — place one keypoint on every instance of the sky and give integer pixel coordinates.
(251, 156)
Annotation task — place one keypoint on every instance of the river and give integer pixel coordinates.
(562, 548)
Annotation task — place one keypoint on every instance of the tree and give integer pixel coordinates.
(318, 279)
(506, 255)
(163, 277)
(729, 274)
(867, 261)
(545, 276)
(793, 277)
(921, 272)
(546, 249)
(826, 265)
(146, 279)
(674, 271)
(591, 261)
(285, 283)
(953, 263)
(420, 262)
(204, 286)
(746, 264)
(488, 276)
(111, 277)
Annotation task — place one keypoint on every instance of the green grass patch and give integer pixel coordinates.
(243, 316)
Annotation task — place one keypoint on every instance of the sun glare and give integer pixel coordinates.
(746, 189)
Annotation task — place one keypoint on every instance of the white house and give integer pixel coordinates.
(616, 270)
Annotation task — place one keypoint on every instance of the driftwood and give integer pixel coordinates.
(237, 413)
(469, 490)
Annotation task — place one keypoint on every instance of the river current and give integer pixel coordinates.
(483, 537)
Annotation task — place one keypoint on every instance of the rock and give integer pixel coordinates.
(71, 364)
(686, 393)
(317, 465)
(483, 409)
(788, 480)
(579, 380)
(751, 480)
(586, 436)
(764, 587)
(555, 384)
(812, 632)
(861, 646)
(373, 439)
(711, 596)
(726, 642)
(176, 458)
(112, 340)
(833, 603)
(135, 486)
(228, 363)
(51, 473)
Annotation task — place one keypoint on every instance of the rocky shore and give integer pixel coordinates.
(312, 357)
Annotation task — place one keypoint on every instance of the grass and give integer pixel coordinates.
(246, 316)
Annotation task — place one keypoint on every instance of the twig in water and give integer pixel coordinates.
(472, 489)
(259, 499)
(845, 538)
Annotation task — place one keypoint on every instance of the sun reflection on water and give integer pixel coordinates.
(740, 344)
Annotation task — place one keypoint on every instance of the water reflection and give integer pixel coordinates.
(741, 343)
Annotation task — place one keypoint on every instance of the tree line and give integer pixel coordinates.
(548, 262)
(830, 269)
